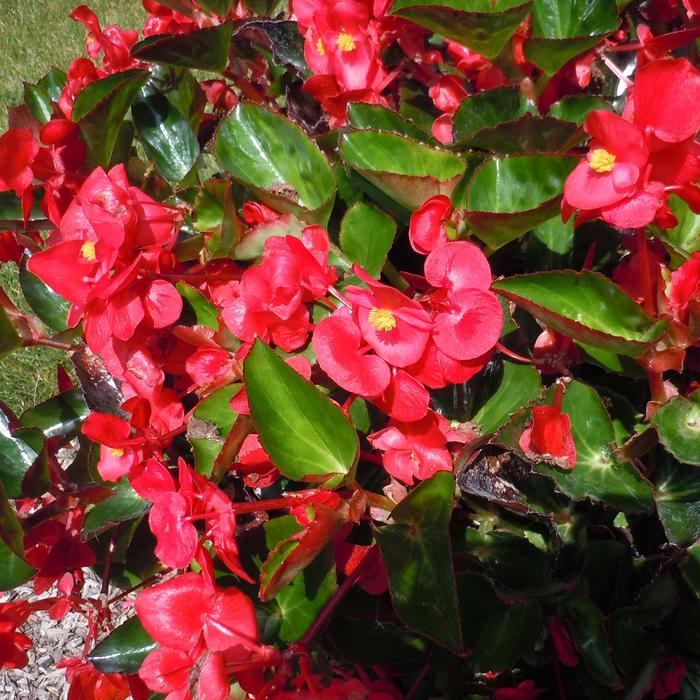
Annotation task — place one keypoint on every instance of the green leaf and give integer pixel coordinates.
(51, 308)
(301, 600)
(206, 314)
(504, 200)
(588, 630)
(16, 457)
(14, 571)
(9, 337)
(202, 49)
(407, 171)
(303, 431)
(124, 505)
(519, 385)
(11, 530)
(576, 108)
(217, 7)
(124, 649)
(165, 135)
(550, 246)
(60, 415)
(100, 109)
(601, 472)
(277, 161)
(677, 496)
(528, 135)
(40, 96)
(496, 633)
(678, 425)
(282, 37)
(366, 236)
(563, 29)
(416, 549)
(488, 109)
(215, 409)
(485, 26)
(585, 306)
(252, 243)
(364, 116)
(684, 238)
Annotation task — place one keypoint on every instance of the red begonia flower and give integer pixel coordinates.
(523, 691)
(456, 266)
(414, 450)
(85, 681)
(685, 289)
(395, 326)
(427, 226)
(209, 364)
(447, 93)
(18, 149)
(405, 398)
(669, 676)
(549, 435)
(564, 646)
(337, 343)
(176, 536)
(118, 450)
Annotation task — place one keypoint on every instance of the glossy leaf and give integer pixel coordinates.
(550, 245)
(283, 39)
(51, 308)
(41, 96)
(677, 495)
(11, 531)
(588, 630)
(300, 601)
(481, 25)
(306, 435)
(206, 314)
(16, 457)
(684, 238)
(587, 307)
(124, 649)
(519, 384)
(364, 116)
(504, 200)
(601, 472)
(14, 571)
(407, 171)
(366, 236)
(100, 109)
(275, 159)
(203, 49)
(496, 633)
(124, 505)
(9, 337)
(165, 135)
(416, 550)
(678, 425)
(60, 415)
(576, 108)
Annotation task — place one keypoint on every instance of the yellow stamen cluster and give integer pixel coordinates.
(116, 451)
(382, 320)
(87, 251)
(601, 161)
(320, 48)
(346, 42)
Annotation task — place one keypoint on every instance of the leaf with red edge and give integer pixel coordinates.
(295, 553)
(585, 306)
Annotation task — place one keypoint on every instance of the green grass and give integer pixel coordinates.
(34, 37)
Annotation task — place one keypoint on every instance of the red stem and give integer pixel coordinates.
(513, 355)
(48, 343)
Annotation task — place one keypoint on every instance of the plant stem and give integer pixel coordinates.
(239, 432)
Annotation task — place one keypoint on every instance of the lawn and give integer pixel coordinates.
(34, 37)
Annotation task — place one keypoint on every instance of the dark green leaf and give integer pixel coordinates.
(273, 158)
(217, 7)
(677, 497)
(124, 649)
(488, 109)
(601, 472)
(519, 385)
(124, 505)
(283, 38)
(416, 549)
(165, 135)
(364, 116)
(9, 337)
(40, 97)
(60, 415)
(407, 171)
(504, 200)
(100, 109)
(51, 308)
(482, 25)
(11, 531)
(16, 457)
(13, 570)
(206, 314)
(588, 630)
(678, 425)
(576, 108)
(302, 599)
(203, 49)
(550, 246)
(303, 431)
(587, 307)
(551, 54)
(366, 236)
